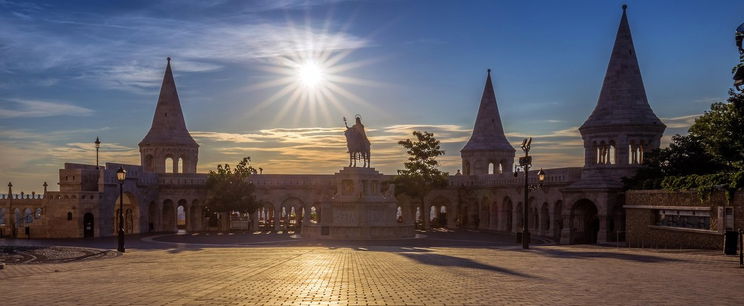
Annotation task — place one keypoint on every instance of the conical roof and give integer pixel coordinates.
(622, 100)
(168, 125)
(488, 133)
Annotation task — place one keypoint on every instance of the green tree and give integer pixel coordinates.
(420, 174)
(228, 189)
(721, 130)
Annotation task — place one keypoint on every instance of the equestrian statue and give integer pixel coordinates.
(357, 143)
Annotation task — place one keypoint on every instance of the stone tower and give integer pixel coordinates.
(488, 151)
(168, 144)
(622, 126)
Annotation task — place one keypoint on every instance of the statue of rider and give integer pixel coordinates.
(358, 127)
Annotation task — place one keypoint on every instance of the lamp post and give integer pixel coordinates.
(525, 163)
(121, 175)
(98, 146)
(11, 213)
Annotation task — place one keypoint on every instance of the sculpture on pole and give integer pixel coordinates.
(357, 143)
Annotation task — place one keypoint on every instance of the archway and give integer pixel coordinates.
(519, 216)
(181, 215)
(508, 214)
(558, 219)
(152, 215)
(131, 214)
(168, 216)
(399, 215)
(545, 219)
(584, 222)
(88, 229)
(314, 215)
(443, 216)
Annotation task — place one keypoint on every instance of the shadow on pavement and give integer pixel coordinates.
(556, 253)
(452, 261)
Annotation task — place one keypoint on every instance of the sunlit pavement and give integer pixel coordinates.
(440, 268)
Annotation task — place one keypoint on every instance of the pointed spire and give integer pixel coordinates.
(168, 124)
(488, 133)
(622, 100)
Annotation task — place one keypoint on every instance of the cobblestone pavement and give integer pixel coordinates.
(428, 271)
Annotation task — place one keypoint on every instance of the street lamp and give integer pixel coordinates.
(121, 175)
(525, 163)
(98, 146)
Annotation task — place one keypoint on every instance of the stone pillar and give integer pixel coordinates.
(277, 216)
(566, 230)
(425, 213)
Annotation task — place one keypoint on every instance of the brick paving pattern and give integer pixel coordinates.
(286, 274)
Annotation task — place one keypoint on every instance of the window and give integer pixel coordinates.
(683, 218)
(69, 216)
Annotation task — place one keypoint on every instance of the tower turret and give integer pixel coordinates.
(168, 144)
(488, 151)
(622, 126)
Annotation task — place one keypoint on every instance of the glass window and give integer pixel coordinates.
(683, 218)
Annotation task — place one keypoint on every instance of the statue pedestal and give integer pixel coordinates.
(359, 210)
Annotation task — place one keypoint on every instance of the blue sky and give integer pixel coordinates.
(74, 70)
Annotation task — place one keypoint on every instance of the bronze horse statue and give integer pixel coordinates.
(357, 143)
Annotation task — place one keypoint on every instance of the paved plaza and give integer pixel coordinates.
(441, 268)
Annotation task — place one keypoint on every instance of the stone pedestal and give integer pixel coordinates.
(359, 210)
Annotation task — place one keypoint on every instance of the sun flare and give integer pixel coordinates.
(313, 80)
(311, 74)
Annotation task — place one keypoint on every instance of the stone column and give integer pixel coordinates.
(425, 213)
(277, 216)
(566, 230)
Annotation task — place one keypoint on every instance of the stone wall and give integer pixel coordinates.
(642, 207)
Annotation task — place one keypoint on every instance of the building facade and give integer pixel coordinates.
(582, 204)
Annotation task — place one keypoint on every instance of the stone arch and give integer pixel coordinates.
(557, 219)
(508, 215)
(519, 217)
(182, 214)
(436, 212)
(584, 222)
(545, 219)
(289, 212)
(314, 214)
(153, 217)
(168, 216)
(267, 218)
(131, 214)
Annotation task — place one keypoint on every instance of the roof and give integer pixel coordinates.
(622, 100)
(168, 125)
(488, 133)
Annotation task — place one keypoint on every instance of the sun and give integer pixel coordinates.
(311, 75)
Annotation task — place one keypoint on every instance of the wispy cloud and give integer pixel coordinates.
(19, 108)
(681, 122)
(127, 51)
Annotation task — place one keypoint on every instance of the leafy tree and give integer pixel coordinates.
(420, 174)
(228, 189)
(721, 130)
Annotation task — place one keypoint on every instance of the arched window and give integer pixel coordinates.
(180, 165)
(169, 165)
(466, 168)
(69, 216)
(611, 153)
(28, 215)
(399, 215)
(491, 168)
(314, 215)
(501, 167)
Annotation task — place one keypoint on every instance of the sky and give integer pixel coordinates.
(71, 71)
